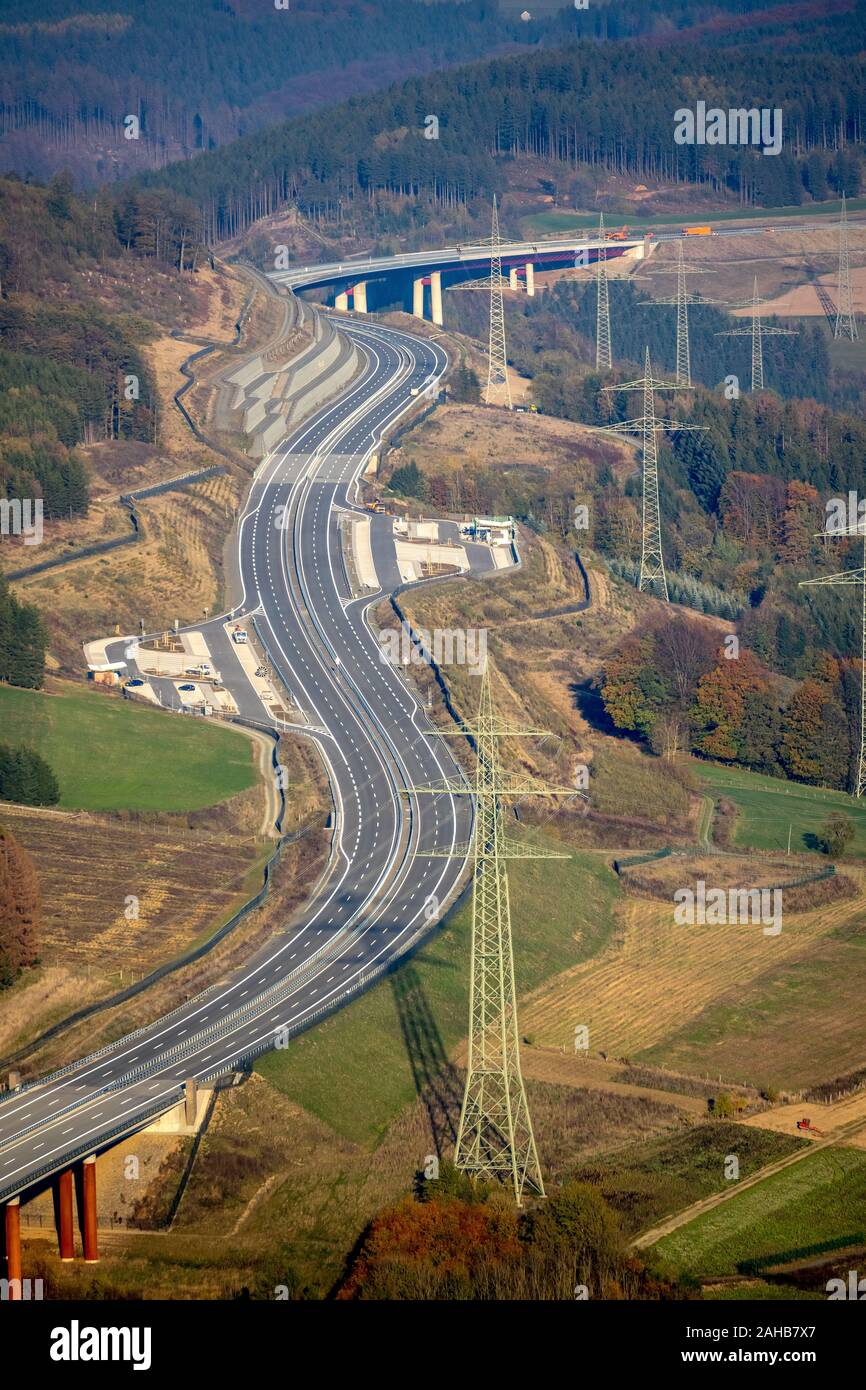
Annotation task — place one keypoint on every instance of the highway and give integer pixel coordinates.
(382, 890)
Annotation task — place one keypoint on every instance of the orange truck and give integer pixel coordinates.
(697, 231)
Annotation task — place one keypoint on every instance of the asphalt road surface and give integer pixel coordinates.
(384, 889)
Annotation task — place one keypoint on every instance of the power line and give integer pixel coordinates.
(498, 388)
(603, 359)
(849, 577)
(495, 1137)
(846, 319)
(649, 426)
(757, 332)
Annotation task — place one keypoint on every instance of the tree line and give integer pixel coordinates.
(26, 778)
(20, 910)
(23, 641)
(601, 106)
(680, 688)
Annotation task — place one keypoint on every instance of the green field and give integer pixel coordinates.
(112, 755)
(817, 1203)
(649, 1181)
(358, 1069)
(562, 220)
(768, 806)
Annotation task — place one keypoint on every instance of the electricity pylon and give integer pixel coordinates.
(495, 1137)
(603, 361)
(652, 563)
(682, 300)
(498, 388)
(846, 320)
(856, 576)
(758, 333)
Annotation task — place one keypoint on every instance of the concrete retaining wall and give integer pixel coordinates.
(275, 396)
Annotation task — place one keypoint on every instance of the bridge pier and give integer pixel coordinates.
(88, 1210)
(360, 297)
(341, 301)
(530, 279)
(65, 1233)
(418, 297)
(13, 1247)
(190, 1101)
(512, 277)
(436, 297)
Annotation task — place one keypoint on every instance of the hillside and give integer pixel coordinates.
(588, 106)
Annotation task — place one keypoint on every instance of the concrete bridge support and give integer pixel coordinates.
(360, 297)
(88, 1210)
(436, 297)
(13, 1247)
(512, 277)
(65, 1232)
(190, 1101)
(418, 297)
(530, 279)
(341, 301)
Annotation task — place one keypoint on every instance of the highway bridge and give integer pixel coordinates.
(383, 890)
(373, 280)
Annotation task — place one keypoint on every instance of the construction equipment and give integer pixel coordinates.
(617, 236)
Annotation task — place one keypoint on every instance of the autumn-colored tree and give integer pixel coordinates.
(751, 505)
(816, 742)
(433, 1249)
(20, 909)
(634, 690)
(720, 706)
(801, 520)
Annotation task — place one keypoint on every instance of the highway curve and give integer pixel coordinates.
(382, 891)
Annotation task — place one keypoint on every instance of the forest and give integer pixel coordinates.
(23, 641)
(20, 910)
(198, 76)
(605, 108)
(679, 687)
(71, 370)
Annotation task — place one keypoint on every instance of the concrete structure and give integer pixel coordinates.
(88, 1210)
(459, 263)
(13, 1247)
(64, 1216)
(436, 297)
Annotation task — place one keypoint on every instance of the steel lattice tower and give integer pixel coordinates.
(498, 388)
(682, 300)
(603, 359)
(649, 426)
(849, 577)
(758, 333)
(495, 1137)
(684, 366)
(846, 319)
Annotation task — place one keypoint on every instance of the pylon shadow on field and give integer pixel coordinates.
(437, 1081)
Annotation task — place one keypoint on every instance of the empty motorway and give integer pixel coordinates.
(382, 890)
